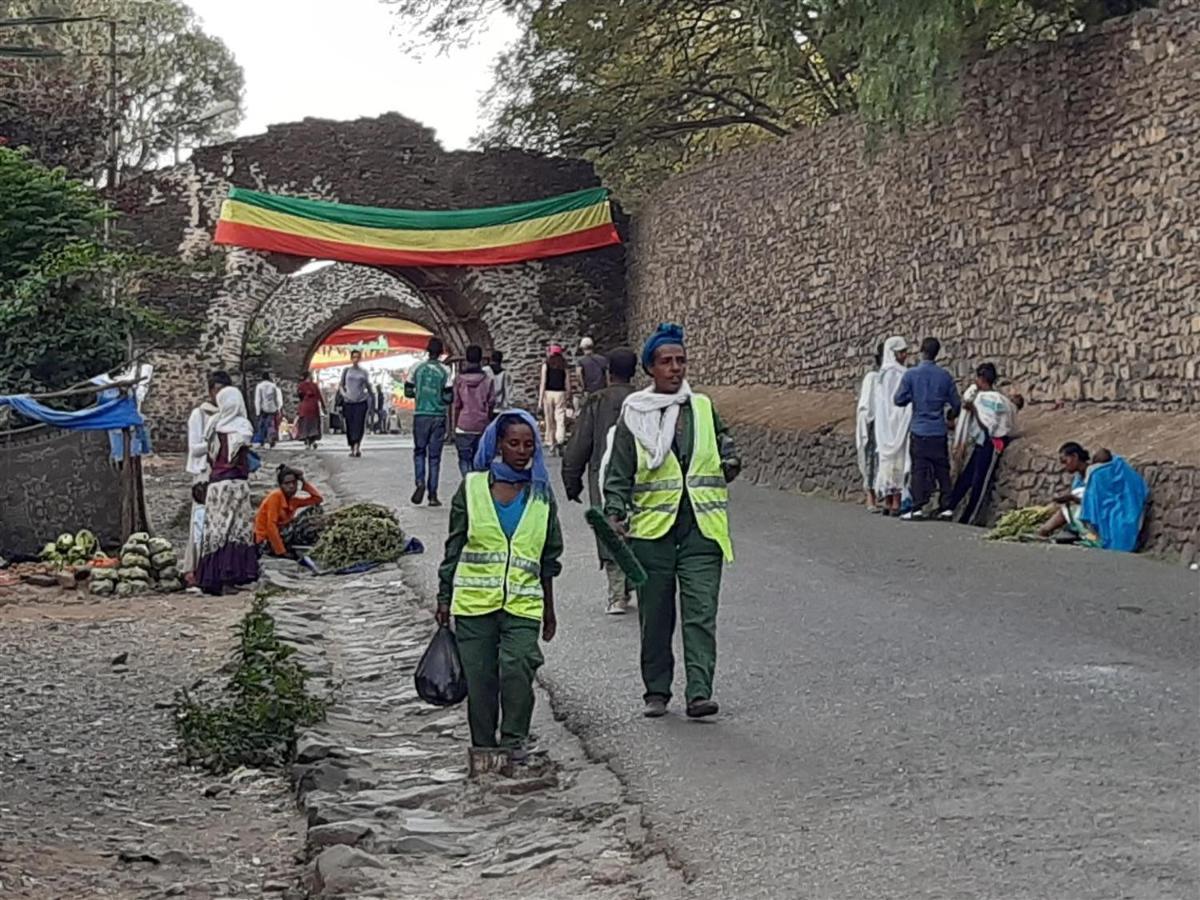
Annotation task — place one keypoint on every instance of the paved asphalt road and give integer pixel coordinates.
(907, 711)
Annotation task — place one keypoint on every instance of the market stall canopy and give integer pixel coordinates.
(378, 337)
(495, 235)
(379, 333)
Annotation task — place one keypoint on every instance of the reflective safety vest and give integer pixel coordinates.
(494, 572)
(657, 493)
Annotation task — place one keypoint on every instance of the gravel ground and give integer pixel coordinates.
(93, 802)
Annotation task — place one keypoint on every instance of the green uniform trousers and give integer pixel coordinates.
(500, 655)
(686, 556)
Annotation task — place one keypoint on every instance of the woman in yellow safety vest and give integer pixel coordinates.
(665, 489)
(497, 579)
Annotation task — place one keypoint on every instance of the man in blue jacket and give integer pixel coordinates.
(931, 391)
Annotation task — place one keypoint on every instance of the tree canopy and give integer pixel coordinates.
(66, 299)
(648, 87)
(170, 74)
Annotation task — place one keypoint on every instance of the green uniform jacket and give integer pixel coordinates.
(457, 540)
(622, 464)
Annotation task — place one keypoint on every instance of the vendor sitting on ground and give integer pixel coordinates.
(271, 531)
(1075, 461)
(1111, 512)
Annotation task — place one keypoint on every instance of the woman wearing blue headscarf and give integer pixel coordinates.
(497, 578)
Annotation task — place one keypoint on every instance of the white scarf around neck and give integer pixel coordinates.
(652, 418)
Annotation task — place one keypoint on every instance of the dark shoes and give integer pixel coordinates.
(656, 708)
(418, 495)
(433, 500)
(698, 709)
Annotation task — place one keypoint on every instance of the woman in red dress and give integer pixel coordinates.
(308, 416)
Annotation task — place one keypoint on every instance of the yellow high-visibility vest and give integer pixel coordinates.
(657, 493)
(494, 572)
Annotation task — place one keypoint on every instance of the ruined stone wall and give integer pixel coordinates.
(388, 161)
(1052, 227)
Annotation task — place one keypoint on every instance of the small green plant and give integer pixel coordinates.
(253, 722)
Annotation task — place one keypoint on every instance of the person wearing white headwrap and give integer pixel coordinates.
(665, 488)
(864, 431)
(228, 555)
(891, 428)
(197, 467)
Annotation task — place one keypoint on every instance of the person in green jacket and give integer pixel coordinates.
(428, 385)
(665, 490)
(497, 576)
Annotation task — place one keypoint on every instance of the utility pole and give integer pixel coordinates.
(114, 126)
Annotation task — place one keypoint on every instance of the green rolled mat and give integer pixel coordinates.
(617, 546)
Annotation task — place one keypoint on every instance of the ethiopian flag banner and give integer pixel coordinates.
(402, 237)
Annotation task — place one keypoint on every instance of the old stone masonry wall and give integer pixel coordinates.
(1053, 227)
(388, 161)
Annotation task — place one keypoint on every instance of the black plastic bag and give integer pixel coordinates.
(440, 679)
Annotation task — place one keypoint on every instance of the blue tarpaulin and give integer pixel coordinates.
(1113, 503)
(112, 414)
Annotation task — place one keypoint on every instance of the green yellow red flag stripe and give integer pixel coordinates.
(491, 236)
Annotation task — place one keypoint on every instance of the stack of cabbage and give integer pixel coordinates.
(71, 550)
(146, 564)
(363, 532)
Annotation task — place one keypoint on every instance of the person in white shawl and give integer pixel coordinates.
(197, 467)
(665, 488)
(891, 428)
(228, 555)
(864, 431)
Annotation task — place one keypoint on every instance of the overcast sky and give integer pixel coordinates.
(342, 59)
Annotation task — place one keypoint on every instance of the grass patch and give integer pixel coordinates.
(253, 721)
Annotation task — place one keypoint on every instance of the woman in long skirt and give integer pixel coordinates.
(228, 557)
(308, 413)
(356, 401)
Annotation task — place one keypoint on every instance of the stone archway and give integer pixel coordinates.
(389, 161)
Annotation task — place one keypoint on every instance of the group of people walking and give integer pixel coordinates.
(910, 424)
(657, 462)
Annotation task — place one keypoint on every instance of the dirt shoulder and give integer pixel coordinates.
(95, 804)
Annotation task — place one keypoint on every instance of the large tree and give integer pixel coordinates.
(170, 73)
(648, 87)
(67, 298)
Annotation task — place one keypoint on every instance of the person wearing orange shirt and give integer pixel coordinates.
(279, 508)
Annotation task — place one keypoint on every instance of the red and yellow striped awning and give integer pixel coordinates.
(495, 235)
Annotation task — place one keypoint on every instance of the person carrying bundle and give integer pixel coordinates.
(665, 488)
(496, 579)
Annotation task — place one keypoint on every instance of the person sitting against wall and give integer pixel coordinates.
(275, 513)
(1106, 504)
(1075, 460)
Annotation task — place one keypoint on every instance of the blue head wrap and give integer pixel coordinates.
(486, 456)
(666, 333)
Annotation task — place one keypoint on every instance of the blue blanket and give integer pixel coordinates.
(1113, 503)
